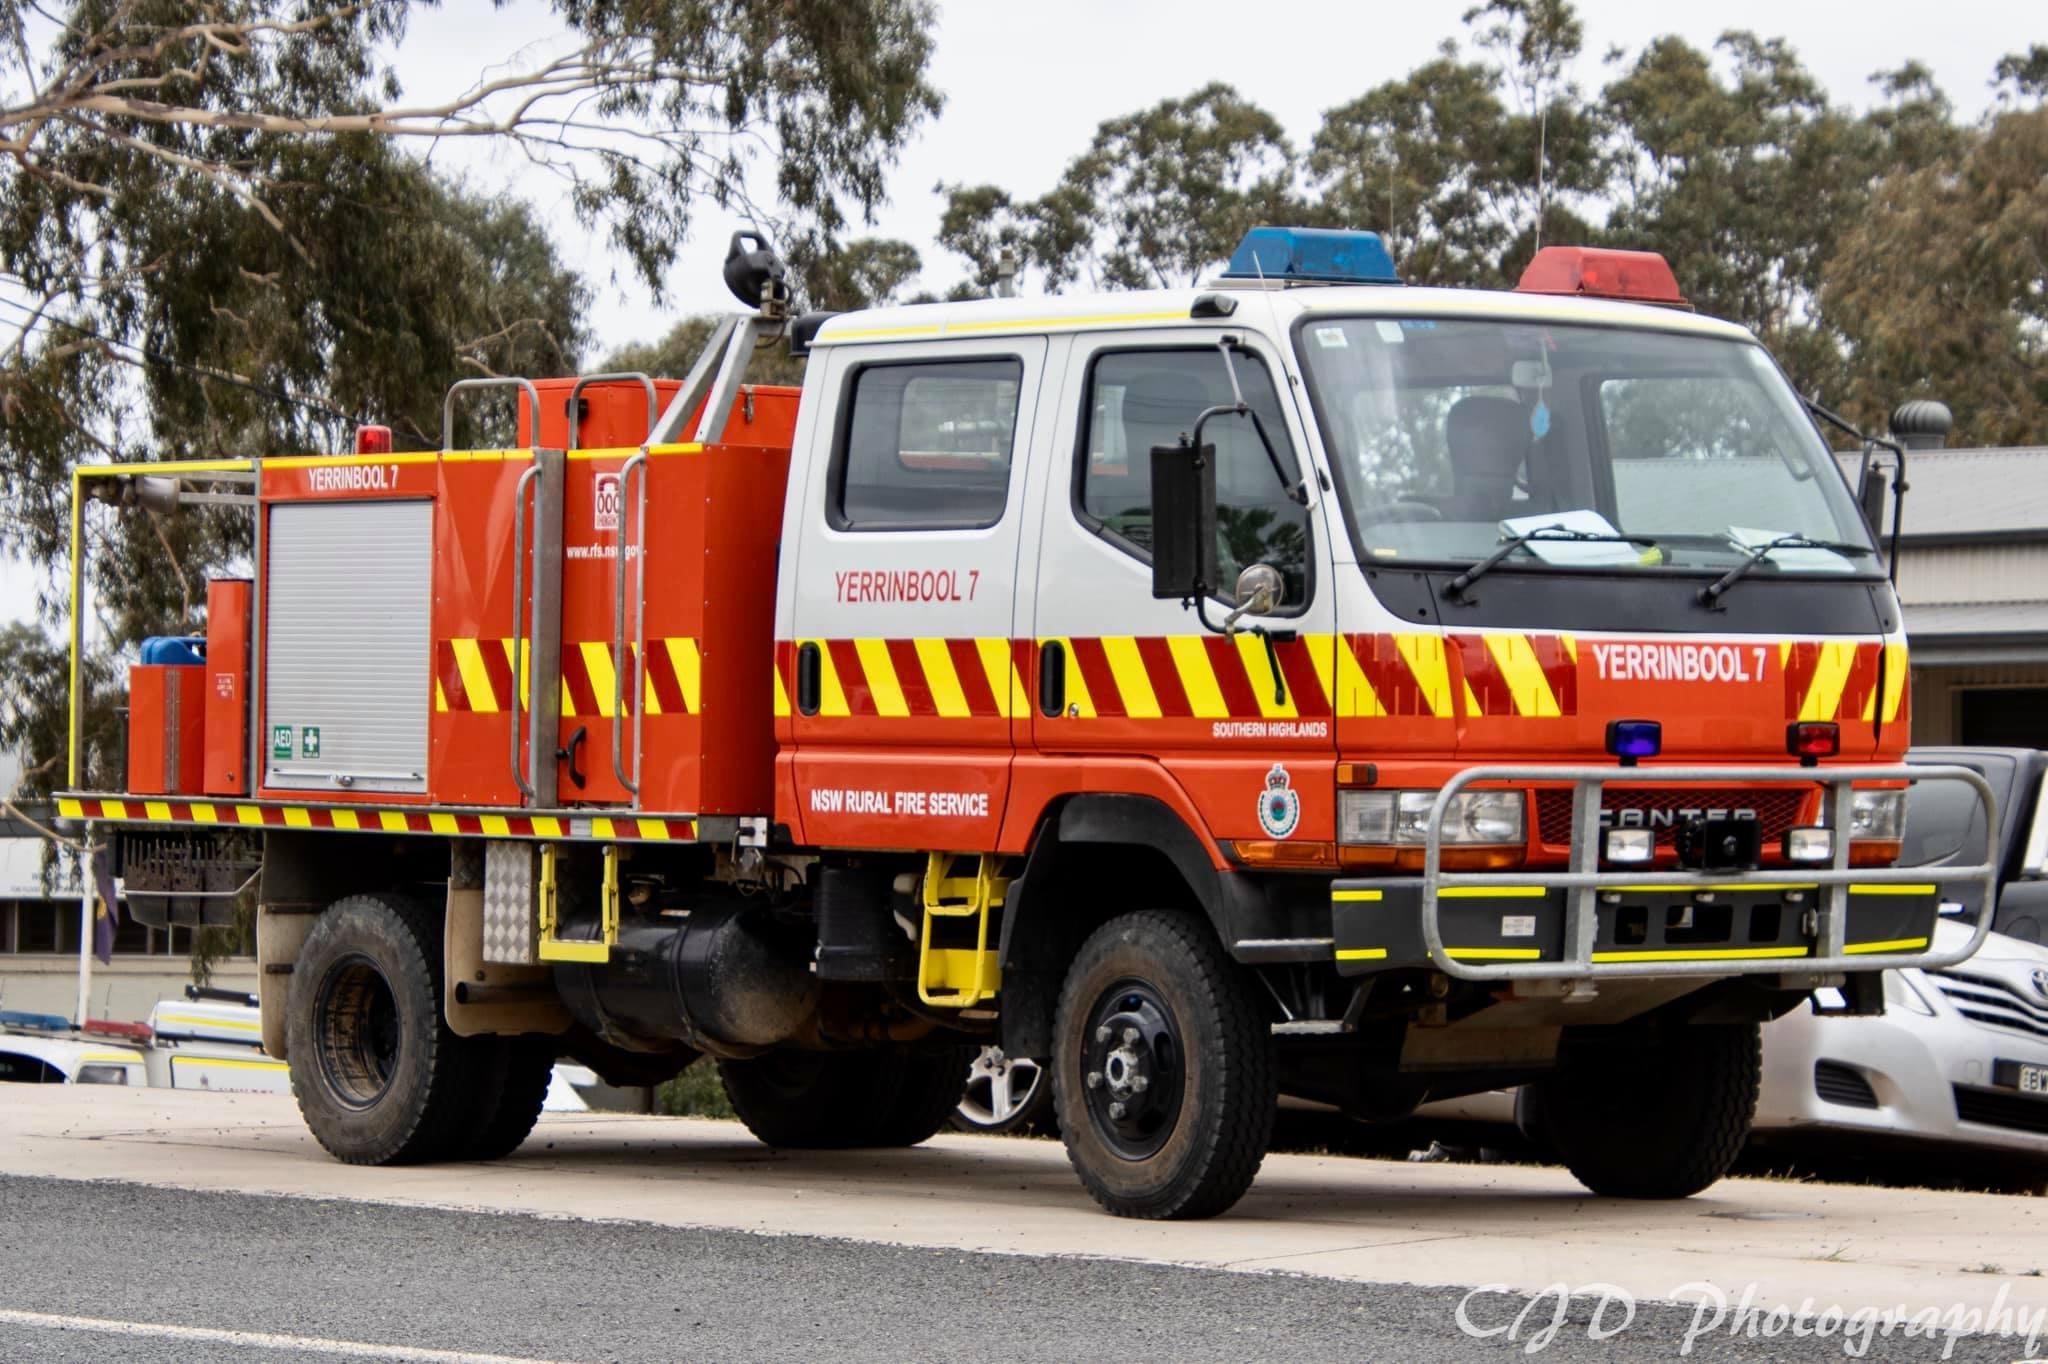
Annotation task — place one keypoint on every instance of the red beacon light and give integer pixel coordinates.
(373, 440)
(1603, 272)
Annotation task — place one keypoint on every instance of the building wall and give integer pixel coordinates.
(48, 983)
(1971, 573)
(1940, 696)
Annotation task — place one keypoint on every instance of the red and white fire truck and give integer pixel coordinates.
(1304, 685)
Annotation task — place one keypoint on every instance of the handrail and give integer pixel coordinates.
(1585, 879)
(616, 377)
(635, 659)
(519, 773)
(448, 406)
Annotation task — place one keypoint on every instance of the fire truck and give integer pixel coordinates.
(1305, 685)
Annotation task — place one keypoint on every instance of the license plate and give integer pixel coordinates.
(2027, 1079)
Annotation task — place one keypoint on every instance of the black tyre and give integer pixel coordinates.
(927, 1090)
(1662, 1121)
(520, 1069)
(1163, 1074)
(823, 1101)
(1005, 1094)
(379, 1077)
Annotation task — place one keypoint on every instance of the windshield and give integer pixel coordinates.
(1452, 436)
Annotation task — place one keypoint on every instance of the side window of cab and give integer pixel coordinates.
(925, 445)
(1137, 399)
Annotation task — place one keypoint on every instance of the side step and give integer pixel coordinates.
(551, 947)
(956, 953)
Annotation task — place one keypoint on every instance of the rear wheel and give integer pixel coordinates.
(806, 1100)
(1163, 1074)
(379, 1076)
(1659, 1121)
(519, 1069)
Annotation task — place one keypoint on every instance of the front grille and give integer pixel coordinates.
(1991, 1002)
(1998, 1108)
(1777, 808)
(1840, 1084)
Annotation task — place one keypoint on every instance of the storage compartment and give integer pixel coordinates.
(166, 720)
(347, 653)
(227, 687)
(615, 415)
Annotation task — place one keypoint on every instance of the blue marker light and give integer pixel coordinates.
(1630, 740)
(1312, 255)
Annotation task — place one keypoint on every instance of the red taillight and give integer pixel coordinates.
(1813, 739)
(373, 440)
(1600, 272)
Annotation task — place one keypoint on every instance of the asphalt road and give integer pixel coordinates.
(326, 1280)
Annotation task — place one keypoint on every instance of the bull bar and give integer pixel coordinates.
(1584, 881)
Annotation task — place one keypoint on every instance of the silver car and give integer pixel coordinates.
(1960, 1055)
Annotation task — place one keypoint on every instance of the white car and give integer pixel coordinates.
(34, 1053)
(1960, 1055)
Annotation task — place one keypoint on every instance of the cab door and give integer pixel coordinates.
(1136, 694)
(904, 687)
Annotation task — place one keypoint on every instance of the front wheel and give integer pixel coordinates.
(1663, 1120)
(1163, 1074)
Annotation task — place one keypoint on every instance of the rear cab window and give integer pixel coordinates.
(926, 445)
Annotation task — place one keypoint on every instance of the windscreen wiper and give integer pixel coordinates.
(1710, 595)
(1456, 587)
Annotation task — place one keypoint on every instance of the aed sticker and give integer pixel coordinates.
(1389, 331)
(1518, 925)
(280, 741)
(1331, 338)
(1279, 804)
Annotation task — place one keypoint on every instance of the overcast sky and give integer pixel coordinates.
(1026, 84)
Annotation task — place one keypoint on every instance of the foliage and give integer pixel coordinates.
(696, 1093)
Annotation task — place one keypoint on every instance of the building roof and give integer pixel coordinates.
(1954, 494)
(1970, 619)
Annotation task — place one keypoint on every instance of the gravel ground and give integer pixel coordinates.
(591, 1291)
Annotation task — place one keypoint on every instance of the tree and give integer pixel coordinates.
(1941, 289)
(215, 236)
(863, 273)
(1159, 198)
(1463, 183)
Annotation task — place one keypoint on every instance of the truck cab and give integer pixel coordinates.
(1303, 684)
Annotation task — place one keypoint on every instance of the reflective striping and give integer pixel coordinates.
(1837, 679)
(1719, 886)
(1496, 953)
(352, 819)
(1892, 945)
(477, 676)
(1887, 888)
(1492, 893)
(1701, 954)
(942, 680)
(1357, 896)
(1361, 954)
(197, 1021)
(230, 1062)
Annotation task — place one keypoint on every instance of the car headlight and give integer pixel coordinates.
(1878, 815)
(1402, 817)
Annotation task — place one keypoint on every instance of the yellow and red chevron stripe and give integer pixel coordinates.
(368, 819)
(476, 675)
(1200, 677)
(1838, 680)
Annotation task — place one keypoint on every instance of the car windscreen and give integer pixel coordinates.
(1452, 435)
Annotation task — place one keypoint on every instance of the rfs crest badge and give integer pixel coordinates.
(1279, 804)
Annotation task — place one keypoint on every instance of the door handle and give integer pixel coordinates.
(569, 754)
(810, 685)
(1052, 678)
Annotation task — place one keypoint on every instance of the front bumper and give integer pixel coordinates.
(1588, 922)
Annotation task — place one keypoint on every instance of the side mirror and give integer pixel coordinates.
(1184, 562)
(1872, 495)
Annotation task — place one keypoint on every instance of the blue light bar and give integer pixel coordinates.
(1314, 255)
(17, 1018)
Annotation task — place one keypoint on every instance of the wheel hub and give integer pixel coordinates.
(1133, 1070)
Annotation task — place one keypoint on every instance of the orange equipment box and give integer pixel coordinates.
(614, 414)
(227, 686)
(166, 726)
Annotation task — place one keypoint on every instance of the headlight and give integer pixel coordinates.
(1402, 817)
(1879, 815)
